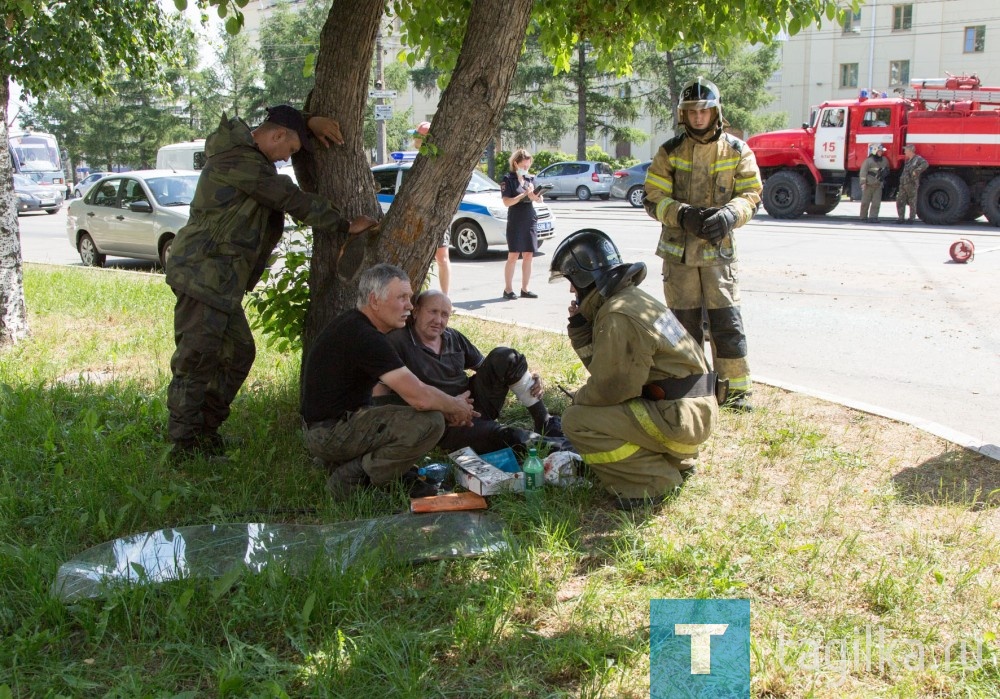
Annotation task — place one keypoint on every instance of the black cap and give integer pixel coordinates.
(291, 118)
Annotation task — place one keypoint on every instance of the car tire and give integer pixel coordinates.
(582, 193)
(52, 211)
(468, 240)
(990, 201)
(604, 197)
(165, 251)
(635, 196)
(786, 194)
(943, 199)
(89, 254)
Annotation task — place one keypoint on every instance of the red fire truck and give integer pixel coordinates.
(954, 123)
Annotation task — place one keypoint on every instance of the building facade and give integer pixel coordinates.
(884, 46)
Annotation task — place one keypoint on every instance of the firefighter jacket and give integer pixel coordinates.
(237, 218)
(625, 342)
(874, 171)
(717, 173)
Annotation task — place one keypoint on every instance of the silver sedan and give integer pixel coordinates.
(132, 214)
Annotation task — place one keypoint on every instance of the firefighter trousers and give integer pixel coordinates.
(688, 290)
(638, 448)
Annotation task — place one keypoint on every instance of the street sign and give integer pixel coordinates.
(378, 94)
(383, 112)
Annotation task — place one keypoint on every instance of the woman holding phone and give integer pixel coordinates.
(518, 191)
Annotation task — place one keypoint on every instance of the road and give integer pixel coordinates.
(873, 316)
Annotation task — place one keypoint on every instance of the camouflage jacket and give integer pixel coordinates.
(237, 218)
(721, 172)
(910, 177)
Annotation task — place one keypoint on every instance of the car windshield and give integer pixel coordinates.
(481, 183)
(176, 190)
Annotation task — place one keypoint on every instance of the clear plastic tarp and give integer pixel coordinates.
(216, 550)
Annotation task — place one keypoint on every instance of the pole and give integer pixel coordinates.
(871, 52)
(379, 84)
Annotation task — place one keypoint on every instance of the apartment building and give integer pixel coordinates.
(882, 47)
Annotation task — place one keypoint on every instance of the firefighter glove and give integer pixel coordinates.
(718, 225)
(689, 219)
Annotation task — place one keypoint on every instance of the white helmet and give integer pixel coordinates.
(700, 94)
(876, 149)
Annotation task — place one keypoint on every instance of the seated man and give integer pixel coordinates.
(439, 356)
(362, 444)
(650, 400)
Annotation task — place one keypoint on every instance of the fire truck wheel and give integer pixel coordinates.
(943, 198)
(786, 194)
(990, 201)
(962, 250)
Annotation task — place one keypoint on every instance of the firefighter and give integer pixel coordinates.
(650, 399)
(873, 173)
(909, 183)
(703, 184)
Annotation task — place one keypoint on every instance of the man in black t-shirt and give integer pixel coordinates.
(360, 443)
(440, 356)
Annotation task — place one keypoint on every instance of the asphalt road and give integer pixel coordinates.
(874, 316)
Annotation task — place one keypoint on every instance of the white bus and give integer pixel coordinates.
(36, 156)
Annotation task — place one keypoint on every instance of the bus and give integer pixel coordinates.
(36, 156)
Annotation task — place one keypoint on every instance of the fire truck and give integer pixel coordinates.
(953, 122)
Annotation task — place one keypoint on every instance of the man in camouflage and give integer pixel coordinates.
(237, 218)
(650, 400)
(909, 183)
(874, 172)
(703, 184)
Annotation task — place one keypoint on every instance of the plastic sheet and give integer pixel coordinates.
(214, 550)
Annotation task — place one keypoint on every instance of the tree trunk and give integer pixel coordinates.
(468, 116)
(13, 313)
(581, 102)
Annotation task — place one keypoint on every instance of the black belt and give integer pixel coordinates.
(694, 386)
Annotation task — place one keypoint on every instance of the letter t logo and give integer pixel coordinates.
(701, 644)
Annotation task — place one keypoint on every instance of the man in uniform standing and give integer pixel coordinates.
(703, 184)
(909, 183)
(873, 173)
(237, 218)
(650, 400)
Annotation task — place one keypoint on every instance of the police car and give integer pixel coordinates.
(481, 219)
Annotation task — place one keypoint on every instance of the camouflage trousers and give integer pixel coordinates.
(906, 196)
(214, 354)
(696, 293)
(386, 440)
(638, 448)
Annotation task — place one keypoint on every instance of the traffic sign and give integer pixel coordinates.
(383, 112)
(379, 94)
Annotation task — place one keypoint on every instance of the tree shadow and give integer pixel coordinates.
(959, 477)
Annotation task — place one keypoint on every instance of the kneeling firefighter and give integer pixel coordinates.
(650, 400)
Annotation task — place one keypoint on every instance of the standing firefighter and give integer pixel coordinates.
(650, 400)
(702, 184)
(873, 173)
(909, 183)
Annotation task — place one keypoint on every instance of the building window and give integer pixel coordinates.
(902, 17)
(899, 73)
(852, 22)
(848, 74)
(975, 39)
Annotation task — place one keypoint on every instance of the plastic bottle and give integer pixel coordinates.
(433, 473)
(534, 472)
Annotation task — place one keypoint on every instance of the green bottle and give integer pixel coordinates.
(534, 472)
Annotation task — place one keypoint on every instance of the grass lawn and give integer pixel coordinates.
(867, 548)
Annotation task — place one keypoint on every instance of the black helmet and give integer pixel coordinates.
(589, 258)
(700, 94)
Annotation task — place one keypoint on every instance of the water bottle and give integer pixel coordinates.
(433, 473)
(534, 472)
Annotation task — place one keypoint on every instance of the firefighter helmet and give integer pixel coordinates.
(700, 94)
(589, 258)
(876, 149)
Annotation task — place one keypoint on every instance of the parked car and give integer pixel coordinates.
(481, 219)
(134, 214)
(629, 184)
(84, 185)
(582, 179)
(32, 196)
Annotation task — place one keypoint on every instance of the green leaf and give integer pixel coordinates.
(233, 26)
(181, 5)
(223, 584)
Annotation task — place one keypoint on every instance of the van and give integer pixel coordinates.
(189, 155)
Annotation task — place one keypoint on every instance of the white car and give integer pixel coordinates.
(132, 214)
(481, 219)
(83, 186)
